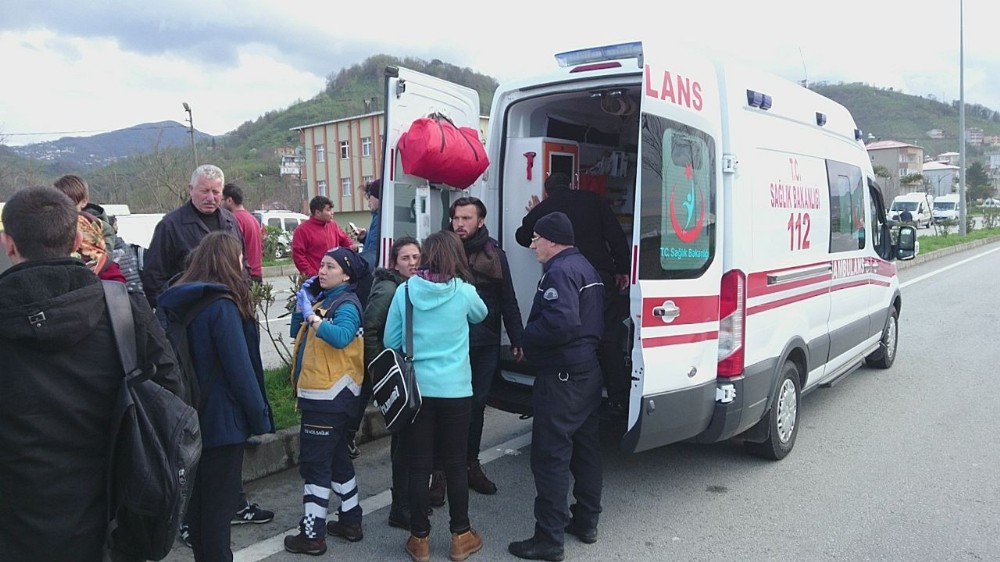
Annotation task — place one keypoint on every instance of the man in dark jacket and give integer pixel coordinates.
(59, 375)
(600, 238)
(560, 342)
(491, 276)
(182, 229)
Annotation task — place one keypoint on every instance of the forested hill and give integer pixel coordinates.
(352, 91)
(893, 115)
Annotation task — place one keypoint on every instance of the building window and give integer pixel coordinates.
(366, 179)
(904, 172)
(320, 153)
(321, 187)
(345, 150)
(345, 187)
(366, 147)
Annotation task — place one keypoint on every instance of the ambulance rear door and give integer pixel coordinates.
(410, 206)
(677, 258)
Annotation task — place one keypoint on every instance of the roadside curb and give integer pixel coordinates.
(278, 270)
(272, 453)
(930, 256)
(279, 451)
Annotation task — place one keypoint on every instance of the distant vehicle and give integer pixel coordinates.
(919, 205)
(285, 220)
(991, 204)
(945, 208)
(138, 229)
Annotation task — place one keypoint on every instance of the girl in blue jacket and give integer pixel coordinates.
(443, 307)
(225, 354)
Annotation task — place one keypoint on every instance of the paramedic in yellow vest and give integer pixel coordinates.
(327, 372)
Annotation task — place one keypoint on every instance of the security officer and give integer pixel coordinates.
(561, 343)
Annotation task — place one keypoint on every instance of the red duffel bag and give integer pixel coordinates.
(434, 149)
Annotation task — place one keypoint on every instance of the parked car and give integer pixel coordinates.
(287, 222)
(991, 204)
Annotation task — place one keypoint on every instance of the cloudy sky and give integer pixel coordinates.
(88, 67)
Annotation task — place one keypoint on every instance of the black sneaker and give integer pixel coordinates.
(349, 531)
(184, 533)
(252, 513)
(536, 548)
(301, 544)
(352, 448)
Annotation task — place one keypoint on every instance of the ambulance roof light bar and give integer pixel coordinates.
(601, 54)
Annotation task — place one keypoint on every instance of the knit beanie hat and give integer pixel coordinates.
(354, 265)
(555, 227)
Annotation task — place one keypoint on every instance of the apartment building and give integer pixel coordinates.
(899, 158)
(341, 156)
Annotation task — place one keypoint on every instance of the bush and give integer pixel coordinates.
(279, 393)
(274, 241)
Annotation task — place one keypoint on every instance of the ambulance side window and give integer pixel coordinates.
(847, 207)
(677, 210)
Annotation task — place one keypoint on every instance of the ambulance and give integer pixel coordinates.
(761, 258)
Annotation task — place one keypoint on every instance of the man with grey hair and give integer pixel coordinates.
(182, 229)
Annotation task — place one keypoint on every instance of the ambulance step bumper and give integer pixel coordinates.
(744, 404)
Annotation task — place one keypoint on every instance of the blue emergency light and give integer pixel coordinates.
(599, 54)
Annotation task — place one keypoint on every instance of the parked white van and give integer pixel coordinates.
(918, 204)
(945, 208)
(761, 257)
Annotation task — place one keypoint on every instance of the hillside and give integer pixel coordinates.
(87, 153)
(351, 91)
(892, 115)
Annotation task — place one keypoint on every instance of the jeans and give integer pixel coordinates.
(485, 360)
(217, 486)
(441, 427)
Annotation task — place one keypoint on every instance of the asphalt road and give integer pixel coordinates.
(897, 464)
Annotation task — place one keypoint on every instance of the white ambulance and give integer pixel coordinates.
(761, 258)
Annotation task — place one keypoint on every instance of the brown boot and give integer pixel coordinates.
(419, 549)
(438, 488)
(465, 544)
(478, 480)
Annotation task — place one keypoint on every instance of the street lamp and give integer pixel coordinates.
(962, 213)
(190, 120)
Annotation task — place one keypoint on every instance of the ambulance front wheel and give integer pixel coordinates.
(886, 353)
(783, 419)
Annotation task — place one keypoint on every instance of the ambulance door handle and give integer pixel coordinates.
(668, 312)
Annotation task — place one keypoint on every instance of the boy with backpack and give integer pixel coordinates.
(61, 378)
(327, 374)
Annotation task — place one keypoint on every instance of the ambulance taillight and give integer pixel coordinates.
(732, 323)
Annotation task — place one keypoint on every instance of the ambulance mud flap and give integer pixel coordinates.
(749, 405)
(670, 417)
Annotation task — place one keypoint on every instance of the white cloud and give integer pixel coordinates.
(77, 67)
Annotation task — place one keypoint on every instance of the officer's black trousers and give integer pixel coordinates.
(610, 354)
(565, 441)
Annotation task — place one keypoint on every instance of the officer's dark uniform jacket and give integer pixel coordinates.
(567, 315)
(176, 236)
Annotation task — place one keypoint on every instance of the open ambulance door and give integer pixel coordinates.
(410, 206)
(677, 252)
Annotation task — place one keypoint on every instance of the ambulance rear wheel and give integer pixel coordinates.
(783, 419)
(886, 353)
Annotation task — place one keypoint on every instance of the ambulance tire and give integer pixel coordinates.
(783, 418)
(886, 353)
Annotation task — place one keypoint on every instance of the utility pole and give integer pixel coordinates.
(190, 120)
(962, 213)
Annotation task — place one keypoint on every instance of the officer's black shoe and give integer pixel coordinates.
(349, 531)
(536, 548)
(587, 535)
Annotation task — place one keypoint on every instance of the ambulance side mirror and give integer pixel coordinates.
(906, 245)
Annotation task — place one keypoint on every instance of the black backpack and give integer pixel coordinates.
(155, 449)
(175, 324)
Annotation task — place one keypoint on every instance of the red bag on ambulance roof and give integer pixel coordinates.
(434, 149)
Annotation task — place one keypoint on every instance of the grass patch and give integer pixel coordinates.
(931, 243)
(269, 262)
(279, 393)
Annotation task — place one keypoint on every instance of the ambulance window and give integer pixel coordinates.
(847, 207)
(677, 213)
